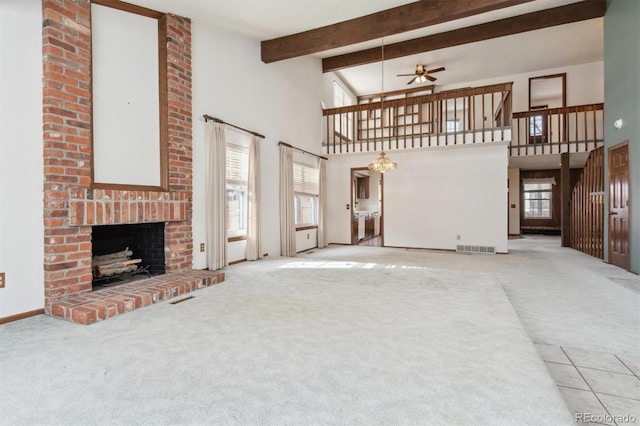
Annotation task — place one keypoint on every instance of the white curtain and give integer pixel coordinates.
(287, 210)
(216, 207)
(322, 203)
(254, 227)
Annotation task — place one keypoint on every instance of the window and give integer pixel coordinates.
(237, 177)
(343, 123)
(535, 125)
(537, 200)
(306, 187)
(453, 126)
(538, 126)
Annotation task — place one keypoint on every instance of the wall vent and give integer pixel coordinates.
(475, 249)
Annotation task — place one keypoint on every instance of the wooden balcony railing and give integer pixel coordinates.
(557, 130)
(462, 116)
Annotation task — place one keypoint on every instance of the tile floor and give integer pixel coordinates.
(598, 387)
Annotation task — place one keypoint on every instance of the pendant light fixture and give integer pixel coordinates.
(382, 164)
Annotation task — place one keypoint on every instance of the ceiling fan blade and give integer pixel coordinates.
(405, 75)
(436, 70)
(412, 80)
(428, 77)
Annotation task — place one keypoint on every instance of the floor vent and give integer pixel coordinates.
(475, 249)
(181, 300)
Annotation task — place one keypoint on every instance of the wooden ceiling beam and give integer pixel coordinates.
(391, 21)
(575, 12)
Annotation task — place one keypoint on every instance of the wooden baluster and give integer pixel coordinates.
(340, 131)
(574, 228)
(354, 125)
(602, 207)
(483, 120)
(333, 133)
(527, 131)
(404, 139)
(574, 231)
(502, 117)
(595, 129)
(455, 120)
(361, 130)
(493, 119)
(464, 123)
(327, 118)
(586, 126)
(473, 126)
(577, 126)
(588, 208)
(551, 131)
(420, 108)
(558, 132)
(439, 122)
(375, 132)
(393, 112)
(580, 215)
(431, 121)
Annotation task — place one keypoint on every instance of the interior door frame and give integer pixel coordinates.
(609, 240)
(352, 199)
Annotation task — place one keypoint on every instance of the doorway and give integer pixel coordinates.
(619, 205)
(367, 201)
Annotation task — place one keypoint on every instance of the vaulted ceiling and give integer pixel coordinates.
(531, 35)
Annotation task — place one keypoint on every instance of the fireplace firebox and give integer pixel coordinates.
(136, 251)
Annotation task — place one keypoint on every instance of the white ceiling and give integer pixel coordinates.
(581, 42)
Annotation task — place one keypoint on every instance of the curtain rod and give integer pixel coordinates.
(217, 120)
(301, 150)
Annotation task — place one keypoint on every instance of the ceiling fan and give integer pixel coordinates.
(422, 74)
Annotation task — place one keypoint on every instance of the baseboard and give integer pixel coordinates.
(23, 315)
(306, 250)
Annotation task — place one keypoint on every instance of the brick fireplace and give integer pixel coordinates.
(72, 205)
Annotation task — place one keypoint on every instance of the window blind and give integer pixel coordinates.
(306, 180)
(237, 165)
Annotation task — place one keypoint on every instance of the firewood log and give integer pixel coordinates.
(115, 271)
(124, 253)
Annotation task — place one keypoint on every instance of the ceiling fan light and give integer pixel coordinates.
(382, 164)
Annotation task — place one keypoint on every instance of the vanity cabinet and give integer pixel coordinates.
(369, 226)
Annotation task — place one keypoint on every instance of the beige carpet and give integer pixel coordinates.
(293, 341)
(343, 335)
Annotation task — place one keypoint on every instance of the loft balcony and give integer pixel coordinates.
(461, 117)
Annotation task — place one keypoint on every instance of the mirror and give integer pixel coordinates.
(546, 92)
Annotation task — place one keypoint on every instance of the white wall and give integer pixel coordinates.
(279, 100)
(327, 88)
(585, 84)
(622, 63)
(21, 174)
(306, 239)
(433, 196)
(514, 201)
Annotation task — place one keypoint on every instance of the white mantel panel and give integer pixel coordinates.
(126, 127)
